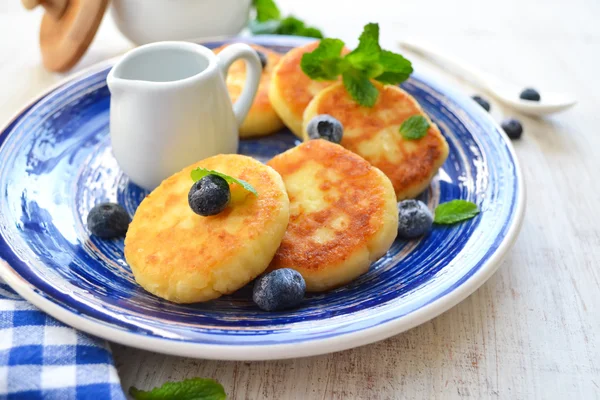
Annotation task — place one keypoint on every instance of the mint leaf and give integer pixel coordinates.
(266, 10)
(360, 88)
(189, 389)
(290, 26)
(287, 26)
(414, 127)
(455, 211)
(368, 51)
(396, 69)
(324, 62)
(373, 70)
(368, 61)
(295, 27)
(268, 21)
(200, 173)
(311, 32)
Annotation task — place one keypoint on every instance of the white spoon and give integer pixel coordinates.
(504, 92)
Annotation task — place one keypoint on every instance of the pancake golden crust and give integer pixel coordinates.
(343, 214)
(373, 133)
(261, 119)
(186, 258)
(291, 89)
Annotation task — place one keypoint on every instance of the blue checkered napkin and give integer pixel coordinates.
(41, 358)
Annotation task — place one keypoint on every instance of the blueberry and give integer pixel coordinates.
(263, 58)
(209, 196)
(530, 94)
(482, 102)
(108, 220)
(414, 219)
(326, 127)
(513, 128)
(280, 289)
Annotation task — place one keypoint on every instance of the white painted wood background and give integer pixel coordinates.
(533, 330)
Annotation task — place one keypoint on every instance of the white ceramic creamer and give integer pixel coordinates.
(170, 107)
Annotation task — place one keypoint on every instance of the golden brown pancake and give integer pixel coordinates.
(187, 258)
(291, 89)
(261, 119)
(343, 214)
(373, 133)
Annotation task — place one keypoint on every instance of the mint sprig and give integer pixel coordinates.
(360, 87)
(266, 10)
(357, 68)
(455, 211)
(414, 127)
(269, 21)
(189, 389)
(199, 173)
(396, 69)
(325, 62)
(366, 55)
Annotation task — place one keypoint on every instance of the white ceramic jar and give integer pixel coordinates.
(146, 21)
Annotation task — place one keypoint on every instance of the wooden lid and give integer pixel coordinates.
(68, 27)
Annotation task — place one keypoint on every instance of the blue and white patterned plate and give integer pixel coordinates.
(56, 163)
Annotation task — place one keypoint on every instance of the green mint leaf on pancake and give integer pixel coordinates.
(325, 62)
(368, 51)
(360, 88)
(200, 173)
(455, 211)
(396, 69)
(414, 127)
(368, 61)
(266, 10)
(189, 389)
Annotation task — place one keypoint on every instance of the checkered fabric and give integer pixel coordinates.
(41, 358)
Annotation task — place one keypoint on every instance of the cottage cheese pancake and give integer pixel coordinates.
(261, 119)
(373, 133)
(186, 258)
(343, 214)
(291, 89)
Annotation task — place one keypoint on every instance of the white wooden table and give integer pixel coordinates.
(533, 330)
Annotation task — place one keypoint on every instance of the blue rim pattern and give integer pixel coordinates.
(55, 164)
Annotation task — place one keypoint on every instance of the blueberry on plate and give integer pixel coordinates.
(209, 196)
(263, 58)
(414, 219)
(278, 290)
(530, 94)
(482, 102)
(108, 220)
(513, 128)
(326, 127)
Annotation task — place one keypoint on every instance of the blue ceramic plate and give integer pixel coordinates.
(56, 163)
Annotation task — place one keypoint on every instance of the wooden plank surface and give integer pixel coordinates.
(533, 330)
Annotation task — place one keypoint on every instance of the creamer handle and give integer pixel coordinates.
(253, 73)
